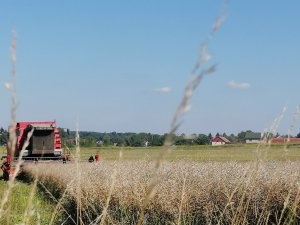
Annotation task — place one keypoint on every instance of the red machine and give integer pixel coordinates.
(45, 142)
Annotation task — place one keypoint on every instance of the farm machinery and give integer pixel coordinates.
(35, 141)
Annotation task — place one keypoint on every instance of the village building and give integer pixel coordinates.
(251, 138)
(285, 140)
(219, 141)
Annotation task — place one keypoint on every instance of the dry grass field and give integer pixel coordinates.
(186, 191)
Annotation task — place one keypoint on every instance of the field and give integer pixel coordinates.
(233, 184)
(21, 208)
(199, 185)
(239, 152)
(199, 153)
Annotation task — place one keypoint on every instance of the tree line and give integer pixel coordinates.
(90, 139)
(93, 139)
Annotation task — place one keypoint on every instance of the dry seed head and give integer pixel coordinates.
(8, 86)
(187, 108)
(218, 24)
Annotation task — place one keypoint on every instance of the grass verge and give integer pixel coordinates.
(18, 209)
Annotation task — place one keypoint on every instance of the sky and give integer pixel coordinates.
(123, 65)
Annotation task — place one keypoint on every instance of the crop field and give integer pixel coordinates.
(199, 153)
(220, 185)
(241, 152)
(234, 184)
(185, 192)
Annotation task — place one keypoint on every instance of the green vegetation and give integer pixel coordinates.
(2, 150)
(240, 152)
(3, 136)
(39, 212)
(97, 139)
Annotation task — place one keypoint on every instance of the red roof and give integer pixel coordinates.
(284, 140)
(220, 139)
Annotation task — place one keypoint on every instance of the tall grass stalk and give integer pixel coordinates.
(181, 201)
(292, 126)
(182, 108)
(59, 204)
(78, 179)
(11, 86)
(26, 216)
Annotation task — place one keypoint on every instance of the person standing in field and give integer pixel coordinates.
(97, 157)
(91, 159)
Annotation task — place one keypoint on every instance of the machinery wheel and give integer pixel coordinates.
(5, 176)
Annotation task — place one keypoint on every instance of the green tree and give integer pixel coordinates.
(180, 140)
(120, 141)
(156, 140)
(210, 136)
(106, 140)
(88, 141)
(134, 140)
(203, 139)
(3, 138)
(242, 134)
(232, 138)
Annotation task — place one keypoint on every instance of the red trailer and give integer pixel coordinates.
(44, 143)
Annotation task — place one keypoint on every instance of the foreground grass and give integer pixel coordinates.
(18, 210)
(187, 192)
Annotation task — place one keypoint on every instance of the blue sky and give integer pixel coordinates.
(123, 65)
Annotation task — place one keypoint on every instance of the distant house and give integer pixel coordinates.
(252, 137)
(99, 143)
(219, 141)
(284, 140)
